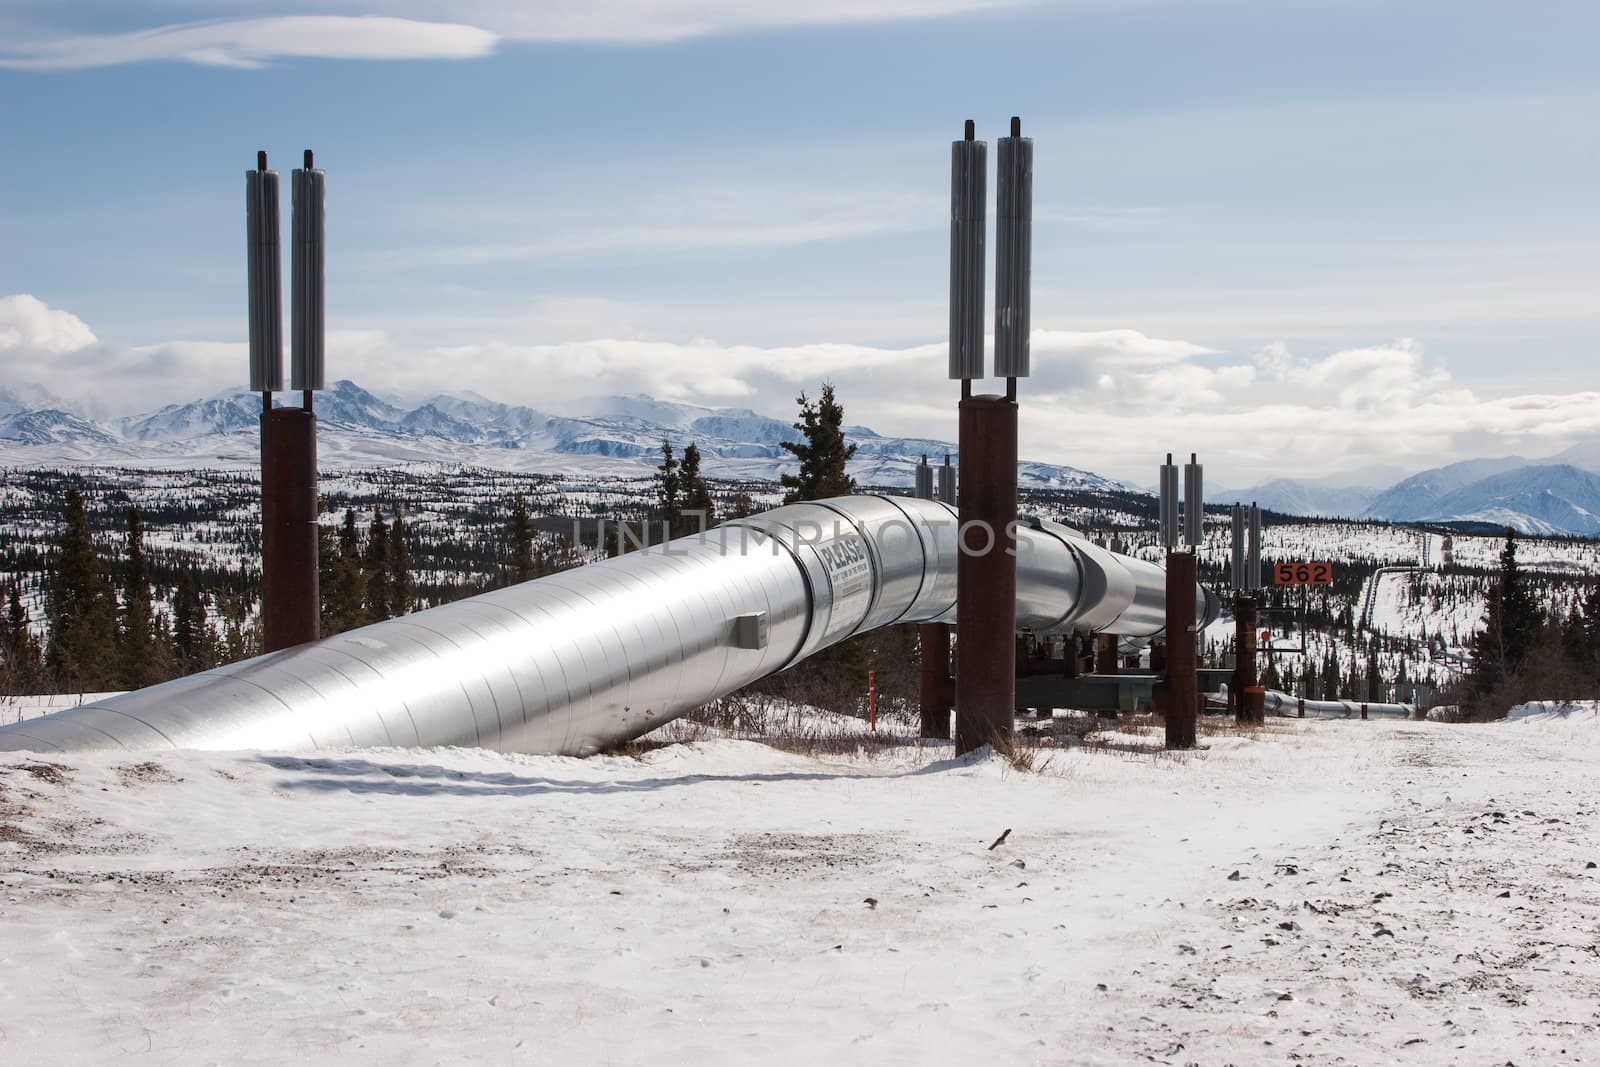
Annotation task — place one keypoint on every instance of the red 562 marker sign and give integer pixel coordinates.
(1302, 573)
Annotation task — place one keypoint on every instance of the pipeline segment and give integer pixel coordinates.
(577, 661)
(1283, 704)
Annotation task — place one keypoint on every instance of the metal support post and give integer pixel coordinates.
(1181, 691)
(1105, 654)
(290, 597)
(1244, 666)
(936, 688)
(986, 573)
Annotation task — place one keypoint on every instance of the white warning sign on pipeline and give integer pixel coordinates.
(850, 578)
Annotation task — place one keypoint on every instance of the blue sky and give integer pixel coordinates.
(1255, 219)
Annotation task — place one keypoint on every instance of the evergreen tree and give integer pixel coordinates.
(698, 509)
(1511, 622)
(1329, 687)
(239, 639)
(523, 567)
(822, 451)
(327, 581)
(82, 609)
(400, 585)
(137, 635)
(1270, 678)
(188, 626)
(669, 489)
(1589, 656)
(742, 506)
(376, 569)
(23, 661)
(164, 654)
(349, 585)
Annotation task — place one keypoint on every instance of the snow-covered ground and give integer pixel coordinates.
(17, 708)
(1319, 892)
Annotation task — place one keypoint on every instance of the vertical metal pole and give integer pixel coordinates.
(933, 639)
(986, 573)
(290, 594)
(872, 699)
(947, 482)
(1253, 563)
(1105, 654)
(1244, 669)
(1181, 692)
(1236, 561)
(935, 690)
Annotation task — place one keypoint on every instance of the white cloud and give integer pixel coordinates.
(26, 322)
(251, 43)
(1111, 401)
(429, 29)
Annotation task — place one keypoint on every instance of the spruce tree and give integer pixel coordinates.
(82, 609)
(349, 588)
(669, 491)
(1511, 622)
(822, 451)
(742, 506)
(327, 581)
(136, 652)
(376, 569)
(188, 622)
(698, 510)
(8, 658)
(24, 663)
(400, 585)
(523, 567)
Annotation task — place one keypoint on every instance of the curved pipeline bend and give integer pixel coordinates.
(577, 661)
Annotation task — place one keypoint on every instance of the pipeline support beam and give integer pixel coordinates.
(1180, 694)
(290, 596)
(1244, 667)
(986, 573)
(936, 688)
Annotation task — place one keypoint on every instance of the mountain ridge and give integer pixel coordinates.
(619, 435)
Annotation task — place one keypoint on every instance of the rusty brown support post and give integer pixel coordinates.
(1181, 692)
(1363, 711)
(290, 599)
(1253, 705)
(1244, 667)
(1301, 707)
(986, 573)
(934, 688)
(1105, 654)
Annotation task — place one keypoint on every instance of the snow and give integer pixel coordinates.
(1564, 712)
(17, 708)
(1320, 891)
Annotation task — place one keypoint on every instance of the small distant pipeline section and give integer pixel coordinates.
(1292, 707)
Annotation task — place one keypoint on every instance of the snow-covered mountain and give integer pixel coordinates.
(1288, 496)
(51, 426)
(1540, 498)
(617, 434)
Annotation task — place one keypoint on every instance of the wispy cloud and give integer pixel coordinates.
(692, 220)
(428, 29)
(251, 43)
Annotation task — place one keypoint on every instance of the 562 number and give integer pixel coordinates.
(1303, 573)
